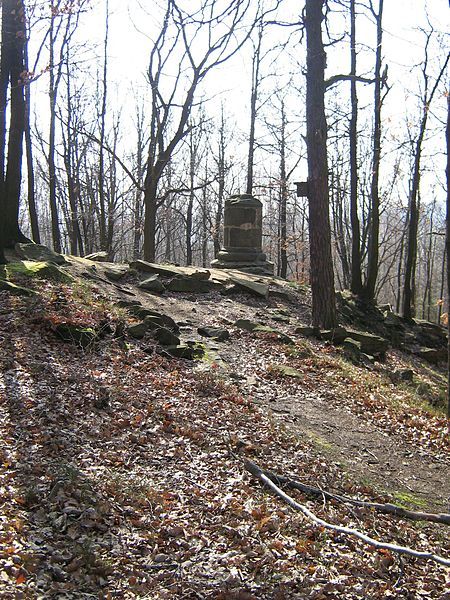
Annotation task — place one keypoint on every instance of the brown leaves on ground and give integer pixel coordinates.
(121, 477)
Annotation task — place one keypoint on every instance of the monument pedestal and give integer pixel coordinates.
(242, 237)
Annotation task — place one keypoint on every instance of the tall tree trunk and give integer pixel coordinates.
(256, 65)
(4, 82)
(282, 257)
(101, 158)
(221, 170)
(322, 279)
(30, 164)
(356, 281)
(15, 48)
(56, 233)
(447, 246)
(150, 195)
(190, 205)
(411, 249)
(374, 225)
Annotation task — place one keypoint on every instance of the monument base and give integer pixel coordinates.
(255, 268)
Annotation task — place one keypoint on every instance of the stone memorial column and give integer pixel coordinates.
(242, 237)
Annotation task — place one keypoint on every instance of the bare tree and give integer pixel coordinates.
(101, 157)
(413, 209)
(447, 244)
(374, 214)
(322, 278)
(356, 280)
(12, 74)
(225, 30)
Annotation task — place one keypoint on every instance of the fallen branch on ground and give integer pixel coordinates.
(386, 508)
(259, 474)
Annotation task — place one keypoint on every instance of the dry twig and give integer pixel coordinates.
(257, 472)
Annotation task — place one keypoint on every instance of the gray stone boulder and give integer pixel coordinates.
(255, 327)
(370, 344)
(138, 331)
(352, 349)
(286, 371)
(305, 331)
(430, 335)
(279, 317)
(401, 376)
(215, 333)
(41, 270)
(200, 274)
(336, 335)
(15, 290)
(432, 355)
(170, 271)
(246, 324)
(154, 322)
(152, 284)
(189, 352)
(101, 256)
(116, 272)
(250, 286)
(165, 337)
(40, 253)
(127, 304)
(192, 285)
(141, 312)
(392, 320)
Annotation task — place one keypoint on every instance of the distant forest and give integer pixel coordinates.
(90, 163)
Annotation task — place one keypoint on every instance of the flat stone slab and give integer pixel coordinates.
(138, 331)
(116, 272)
(432, 355)
(170, 270)
(40, 253)
(152, 284)
(101, 256)
(370, 344)
(287, 371)
(216, 333)
(41, 270)
(15, 290)
(184, 351)
(246, 324)
(165, 337)
(256, 288)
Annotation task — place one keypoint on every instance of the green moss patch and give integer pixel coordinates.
(409, 500)
(40, 270)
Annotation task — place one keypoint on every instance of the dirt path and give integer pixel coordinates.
(368, 453)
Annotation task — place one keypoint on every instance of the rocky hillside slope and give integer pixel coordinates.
(131, 397)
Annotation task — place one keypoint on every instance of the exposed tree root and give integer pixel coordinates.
(261, 475)
(386, 508)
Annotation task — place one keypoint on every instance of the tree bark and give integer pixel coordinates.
(101, 159)
(12, 69)
(447, 246)
(322, 278)
(30, 164)
(282, 255)
(374, 225)
(411, 248)
(356, 281)
(56, 234)
(256, 64)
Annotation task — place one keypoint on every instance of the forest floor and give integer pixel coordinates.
(122, 471)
